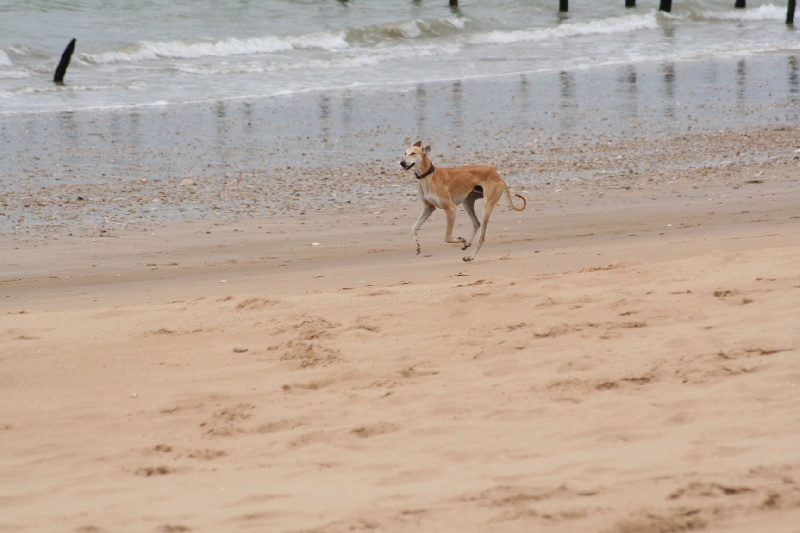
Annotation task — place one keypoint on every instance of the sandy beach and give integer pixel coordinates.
(596, 369)
(621, 357)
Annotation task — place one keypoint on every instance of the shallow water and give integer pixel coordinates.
(363, 125)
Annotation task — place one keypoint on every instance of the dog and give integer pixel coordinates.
(446, 188)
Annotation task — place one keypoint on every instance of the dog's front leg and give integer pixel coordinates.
(450, 210)
(426, 213)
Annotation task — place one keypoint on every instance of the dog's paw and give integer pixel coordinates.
(465, 246)
(467, 259)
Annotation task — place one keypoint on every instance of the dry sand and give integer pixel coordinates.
(622, 357)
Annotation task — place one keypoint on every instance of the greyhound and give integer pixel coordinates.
(447, 188)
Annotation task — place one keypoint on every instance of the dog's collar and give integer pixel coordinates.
(426, 173)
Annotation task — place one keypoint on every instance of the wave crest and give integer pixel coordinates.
(765, 12)
(611, 25)
(149, 51)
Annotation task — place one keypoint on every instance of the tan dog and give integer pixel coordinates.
(447, 188)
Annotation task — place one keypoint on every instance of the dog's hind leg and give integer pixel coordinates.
(426, 213)
(491, 198)
(469, 207)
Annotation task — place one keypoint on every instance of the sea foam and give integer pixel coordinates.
(149, 51)
(624, 24)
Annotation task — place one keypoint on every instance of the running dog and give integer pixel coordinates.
(447, 188)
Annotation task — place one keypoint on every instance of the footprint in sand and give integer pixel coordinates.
(279, 426)
(174, 528)
(226, 421)
(252, 304)
(372, 430)
(158, 448)
(515, 502)
(206, 454)
(152, 471)
(683, 519)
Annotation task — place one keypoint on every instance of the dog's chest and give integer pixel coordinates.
(426, 195)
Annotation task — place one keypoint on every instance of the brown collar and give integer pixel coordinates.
(426, 173)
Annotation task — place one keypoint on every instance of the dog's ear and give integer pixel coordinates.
(418, 143)
(427, 149)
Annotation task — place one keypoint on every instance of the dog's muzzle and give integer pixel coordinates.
(405, 165)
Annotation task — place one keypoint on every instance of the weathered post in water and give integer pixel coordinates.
(453, 3)
(790, 12)
(630, 3)
(666, 6)
(61, 70)
(563, 5)
(740, 4)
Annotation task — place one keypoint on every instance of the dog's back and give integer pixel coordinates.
(461, 180)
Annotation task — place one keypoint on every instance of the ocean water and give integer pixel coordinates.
(168, 52)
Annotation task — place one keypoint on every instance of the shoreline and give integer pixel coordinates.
(88, 172)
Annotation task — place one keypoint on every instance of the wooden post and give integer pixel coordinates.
(61, 69)
(563, 5)
(453, 3)
(666, 6)
(740, 4)
(790, 12)
(630, 3)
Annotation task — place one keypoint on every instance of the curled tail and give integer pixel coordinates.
(511, 204)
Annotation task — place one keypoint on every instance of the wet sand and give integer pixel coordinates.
(621, 357)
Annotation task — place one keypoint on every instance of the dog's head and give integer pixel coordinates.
(414, 156)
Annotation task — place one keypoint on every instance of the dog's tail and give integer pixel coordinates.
(511, 204)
